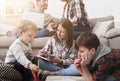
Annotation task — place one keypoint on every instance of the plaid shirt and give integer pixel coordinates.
(109, 64)
(58, 49)
(72, 10)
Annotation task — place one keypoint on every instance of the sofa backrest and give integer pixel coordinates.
(93, 21)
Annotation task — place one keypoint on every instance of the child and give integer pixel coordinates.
(61, 52)
(20, 50)
(97, 62)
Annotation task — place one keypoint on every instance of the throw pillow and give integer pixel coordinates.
(113, 33)
(102, 27)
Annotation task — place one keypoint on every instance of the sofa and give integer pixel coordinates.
(111, 38)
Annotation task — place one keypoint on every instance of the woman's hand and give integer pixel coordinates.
(54, 59)
(42, 52)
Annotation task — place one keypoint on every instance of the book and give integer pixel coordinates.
(44, 58)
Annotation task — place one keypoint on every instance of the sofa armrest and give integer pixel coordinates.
(112, 33)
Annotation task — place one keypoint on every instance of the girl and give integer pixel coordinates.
(60, 51)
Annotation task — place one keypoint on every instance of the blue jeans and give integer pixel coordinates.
(42, 33)
(77, 30)
(66, 71)
(110, 78)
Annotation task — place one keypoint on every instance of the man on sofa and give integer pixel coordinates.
(41, 6)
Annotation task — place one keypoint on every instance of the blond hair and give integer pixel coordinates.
(26, 25)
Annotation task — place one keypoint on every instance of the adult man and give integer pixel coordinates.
(40, 7)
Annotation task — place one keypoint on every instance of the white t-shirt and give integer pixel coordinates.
(18, 51)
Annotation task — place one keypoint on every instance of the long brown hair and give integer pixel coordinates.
(67, 25)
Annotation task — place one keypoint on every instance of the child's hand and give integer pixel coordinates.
(33, 67)
(31, 54)
(77, 63)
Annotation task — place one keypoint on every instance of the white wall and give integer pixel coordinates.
(94, 8)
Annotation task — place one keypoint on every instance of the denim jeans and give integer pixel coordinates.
(42, 33)
(66, 71)
(77, 30)
(110, 78)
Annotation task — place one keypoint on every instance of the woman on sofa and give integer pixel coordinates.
(75, 11)
(60, 52)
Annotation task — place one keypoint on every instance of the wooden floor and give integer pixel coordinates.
(65, 78)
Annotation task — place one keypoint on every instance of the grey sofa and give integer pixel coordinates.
(111, 40)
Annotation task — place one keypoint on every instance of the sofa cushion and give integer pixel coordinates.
(6, 41)
(101, 19)
(103, 27)
(39, 42)
(113, 33)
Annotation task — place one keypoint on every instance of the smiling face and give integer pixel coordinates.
(61, 32)
(42, 4)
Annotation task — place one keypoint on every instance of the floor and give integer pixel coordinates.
(65, 78)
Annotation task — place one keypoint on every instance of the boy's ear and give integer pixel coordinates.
(93, 51)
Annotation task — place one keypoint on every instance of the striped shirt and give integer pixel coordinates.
(58, 49)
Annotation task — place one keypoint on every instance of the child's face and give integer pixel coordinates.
(27, 37)
(85, 54)
(61, 33)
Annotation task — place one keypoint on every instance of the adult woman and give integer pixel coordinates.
(75, 11)
(60, 51)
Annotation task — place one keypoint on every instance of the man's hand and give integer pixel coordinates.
(54, 25)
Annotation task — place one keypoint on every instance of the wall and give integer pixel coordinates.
(95, 8)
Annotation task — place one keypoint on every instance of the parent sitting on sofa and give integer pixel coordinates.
(40, 7)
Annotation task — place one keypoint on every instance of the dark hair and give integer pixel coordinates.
(67, 25)
(88, 40)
